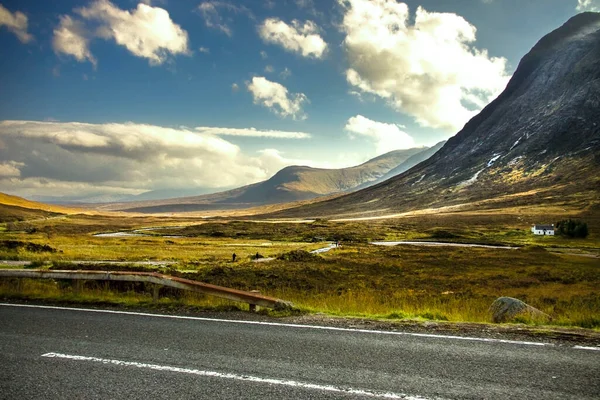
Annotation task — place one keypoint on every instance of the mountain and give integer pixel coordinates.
(537, 143)
(409, 163)
(120, 197)
(14, 208)
(289, 184)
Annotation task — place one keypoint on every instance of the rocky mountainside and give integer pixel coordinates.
(289, 184)
(538, 142)
(412, 161)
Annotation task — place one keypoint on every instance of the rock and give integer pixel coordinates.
(283, 305)
(506, 309)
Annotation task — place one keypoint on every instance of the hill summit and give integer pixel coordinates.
(290, 184)
(538, 142)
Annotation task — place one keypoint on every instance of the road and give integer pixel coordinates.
(48, 353)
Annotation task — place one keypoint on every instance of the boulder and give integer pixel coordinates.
(506, 309)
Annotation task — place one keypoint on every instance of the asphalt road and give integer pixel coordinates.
(49, 353)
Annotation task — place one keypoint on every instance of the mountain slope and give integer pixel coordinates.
(15, 201)
(289, 184)
(412, 161)
(14, 208)
(541, 135)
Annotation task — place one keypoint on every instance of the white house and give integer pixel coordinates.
(543, 230)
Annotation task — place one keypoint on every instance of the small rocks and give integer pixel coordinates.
(506, 309)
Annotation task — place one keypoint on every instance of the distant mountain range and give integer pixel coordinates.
(537, 143)
(290, 184)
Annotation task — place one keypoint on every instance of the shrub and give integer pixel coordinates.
(298, 256)
(572, 228)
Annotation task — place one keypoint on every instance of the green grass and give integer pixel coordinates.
(358, 279)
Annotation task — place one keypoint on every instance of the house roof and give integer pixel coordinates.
(544, 227)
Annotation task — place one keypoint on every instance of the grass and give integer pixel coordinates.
(432, 283)
(94, 293)
(358, 279)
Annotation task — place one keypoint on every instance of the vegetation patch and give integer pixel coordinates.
(298, 256)
(572, 228)
(356, 279)
(16, 245)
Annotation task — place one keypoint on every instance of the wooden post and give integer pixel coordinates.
(155, 292)
(78, 285)
(252, 307)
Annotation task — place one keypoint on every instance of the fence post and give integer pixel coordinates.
(78, 285)
(252, 307)
(155, 292)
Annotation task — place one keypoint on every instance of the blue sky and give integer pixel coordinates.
(104, 97)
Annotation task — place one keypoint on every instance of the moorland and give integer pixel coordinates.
(557, 275)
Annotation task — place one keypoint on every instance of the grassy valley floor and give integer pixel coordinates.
(559, 276)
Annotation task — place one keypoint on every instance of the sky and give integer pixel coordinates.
(123, 97)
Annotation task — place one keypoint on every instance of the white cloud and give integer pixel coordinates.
(263, 55)
(73, 158)
(71, 38)
(252, 132)
(387, 137)
(10, 169)
(275, 160)
(146, 31)
(204, 50)
(269, 69)
(588, 5)
(213, 19)
(428, 69)
(275, 96)
(235, 87)
(16, 23)
(297, 37)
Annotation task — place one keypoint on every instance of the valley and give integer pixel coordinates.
(558, 275)
(425, 233)
(300, 199)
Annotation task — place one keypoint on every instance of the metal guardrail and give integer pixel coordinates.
(253, 299)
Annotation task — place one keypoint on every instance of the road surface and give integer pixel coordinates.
(48, 353)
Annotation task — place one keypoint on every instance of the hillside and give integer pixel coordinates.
(537, 143)
(14, 208)
(410, 162)
(288, 185)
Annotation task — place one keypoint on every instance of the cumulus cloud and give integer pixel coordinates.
(252, 132)
(387, 137)
(146, 31)
(428, 69)
(276, 98)
(71, 38)
(209, 10)
(16, 23)
(70, 158)
(588, 5)
(10, 169)
(297, 37)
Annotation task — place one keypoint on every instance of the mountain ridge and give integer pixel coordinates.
(290, 184)
(542, 131)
